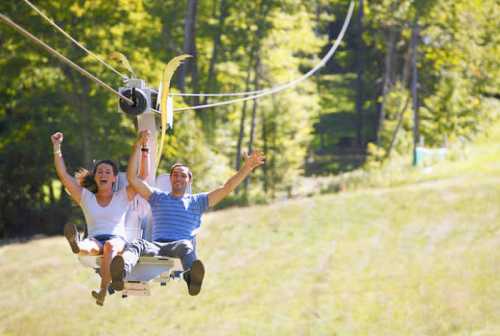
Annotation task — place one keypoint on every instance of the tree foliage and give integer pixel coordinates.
(239, 46)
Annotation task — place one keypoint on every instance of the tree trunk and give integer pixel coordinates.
(190, 66)
(397, 128)
(78, 99)
(253, 51)
(262, 13)
(243, 117)
(195, 80)
(166, 36)
(405, 80)
(414, 91)
(254, 114)
(359, 80)
(224, 11)
(407, 66)
(209, 116)
(387, 82)
(255, 105)
(241, 134)
(265, 149)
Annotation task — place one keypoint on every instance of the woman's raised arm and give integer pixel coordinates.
(70, 183)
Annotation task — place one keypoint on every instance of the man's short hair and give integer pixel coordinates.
(175, 165)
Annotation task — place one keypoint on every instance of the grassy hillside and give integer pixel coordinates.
(407, 259)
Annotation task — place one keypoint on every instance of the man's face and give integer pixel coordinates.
(179, 179)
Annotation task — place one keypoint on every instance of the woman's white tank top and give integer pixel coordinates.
(105, 220)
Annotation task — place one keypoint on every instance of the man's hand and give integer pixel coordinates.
(144, 137)
(254, 160)
(138, 184)
(251, 162)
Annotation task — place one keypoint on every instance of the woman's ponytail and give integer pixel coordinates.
(86, 180)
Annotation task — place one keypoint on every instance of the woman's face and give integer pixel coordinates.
(104, 177)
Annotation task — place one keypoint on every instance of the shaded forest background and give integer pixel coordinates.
(407, 72)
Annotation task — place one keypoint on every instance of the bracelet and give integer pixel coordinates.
(58, 152)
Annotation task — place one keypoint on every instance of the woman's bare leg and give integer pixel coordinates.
(90, 247)
(110, 249)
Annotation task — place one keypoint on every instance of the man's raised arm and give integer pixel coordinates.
(138, 184)
(251, 162)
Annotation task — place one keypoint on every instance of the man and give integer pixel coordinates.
(176, 219)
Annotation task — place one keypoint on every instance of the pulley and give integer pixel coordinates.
(138, 97)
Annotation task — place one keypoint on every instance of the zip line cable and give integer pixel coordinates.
(100, 60)
(289, 84)
(254, 94)
(62, 57)
(323, 61)
(229, 94)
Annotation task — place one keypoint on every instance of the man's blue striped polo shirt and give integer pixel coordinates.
(176, 218)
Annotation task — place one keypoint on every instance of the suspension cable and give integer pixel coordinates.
(282, 87)
(100, 60)
(254, 94)
(227, 94)
(62, 57)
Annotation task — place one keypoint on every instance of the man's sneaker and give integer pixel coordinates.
(194, 277)
(117, 269)
(71, 235)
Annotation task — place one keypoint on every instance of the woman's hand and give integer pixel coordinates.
(74, 189)
(57, 138)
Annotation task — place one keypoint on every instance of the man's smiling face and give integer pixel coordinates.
(180, 178)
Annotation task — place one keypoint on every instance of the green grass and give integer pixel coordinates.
(413, 258)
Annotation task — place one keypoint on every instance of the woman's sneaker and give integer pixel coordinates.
(99, 296)
(194, 277)
(71, 235)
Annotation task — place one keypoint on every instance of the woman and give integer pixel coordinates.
(104, 210)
